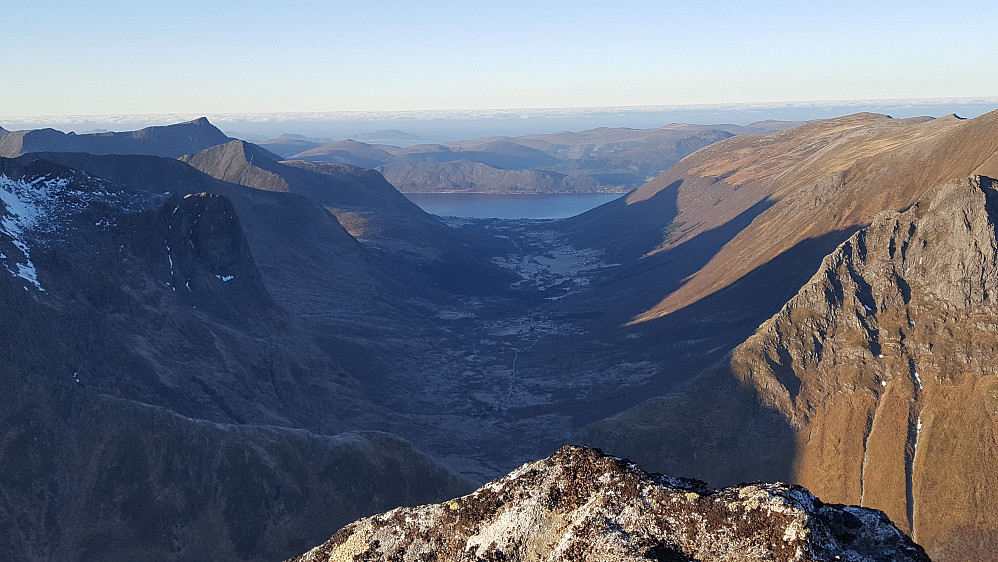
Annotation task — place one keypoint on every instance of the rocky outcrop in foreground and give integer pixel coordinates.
(580, 504)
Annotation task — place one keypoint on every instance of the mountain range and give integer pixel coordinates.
(169, 141)
(294, 345)
(613, 160)
(880, 311)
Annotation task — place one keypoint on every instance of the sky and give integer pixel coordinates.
(202, 58)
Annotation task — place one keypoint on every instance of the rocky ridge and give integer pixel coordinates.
(770, 197)
(393, 229)
(159, 404)
(874, 385)
(580, 504)
(168, 141)
(884, 365)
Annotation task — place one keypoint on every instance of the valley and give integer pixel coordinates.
(809, 305)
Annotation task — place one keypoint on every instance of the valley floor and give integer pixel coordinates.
(491, 382)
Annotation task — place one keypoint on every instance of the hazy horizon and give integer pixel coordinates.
(452, 125)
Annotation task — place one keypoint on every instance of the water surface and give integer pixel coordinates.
(504, 206)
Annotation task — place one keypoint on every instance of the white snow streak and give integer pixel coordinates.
(169, 256)
(24, 210)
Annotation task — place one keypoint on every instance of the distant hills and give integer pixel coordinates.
(385, 135)
(598, 160)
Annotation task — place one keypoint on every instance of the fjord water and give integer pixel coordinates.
(505, 206)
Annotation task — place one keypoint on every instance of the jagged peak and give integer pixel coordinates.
(240, 149)
(928, 253)
(582, 504)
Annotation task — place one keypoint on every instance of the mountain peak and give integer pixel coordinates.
(895, 329)
(242, 162)
(581, 504)
(169, 141)
(243, 151)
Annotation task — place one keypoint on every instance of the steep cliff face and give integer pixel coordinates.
(157, 404)
(404, 241)
(885, 365)
(580, 504)
(874, 385)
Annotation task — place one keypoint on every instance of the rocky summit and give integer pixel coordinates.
(581, 504)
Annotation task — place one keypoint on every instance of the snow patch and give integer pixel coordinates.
(40, 206)
(226, 278)
(169, 257)
(24, 211)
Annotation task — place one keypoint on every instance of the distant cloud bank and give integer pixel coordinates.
(441, 125)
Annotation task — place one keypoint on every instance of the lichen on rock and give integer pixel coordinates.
(581, 504)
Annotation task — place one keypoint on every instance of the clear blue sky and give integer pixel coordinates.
(101, 56)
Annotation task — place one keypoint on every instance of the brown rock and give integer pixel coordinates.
(580, 504)
(884, 363)
(875, 385)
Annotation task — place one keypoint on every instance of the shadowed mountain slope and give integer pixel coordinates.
(89, 478)
(824, 177)
(411, 245)
(300, 249)
(137, 330)
(288, 145)
(476, 177)
(881, 370)
(154, 297)
(337, 186)
(342, 152)
(170, 141)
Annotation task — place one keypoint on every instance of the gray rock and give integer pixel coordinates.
(580, 504)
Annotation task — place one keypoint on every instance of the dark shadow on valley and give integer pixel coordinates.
(689, 340)
(696, 418)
